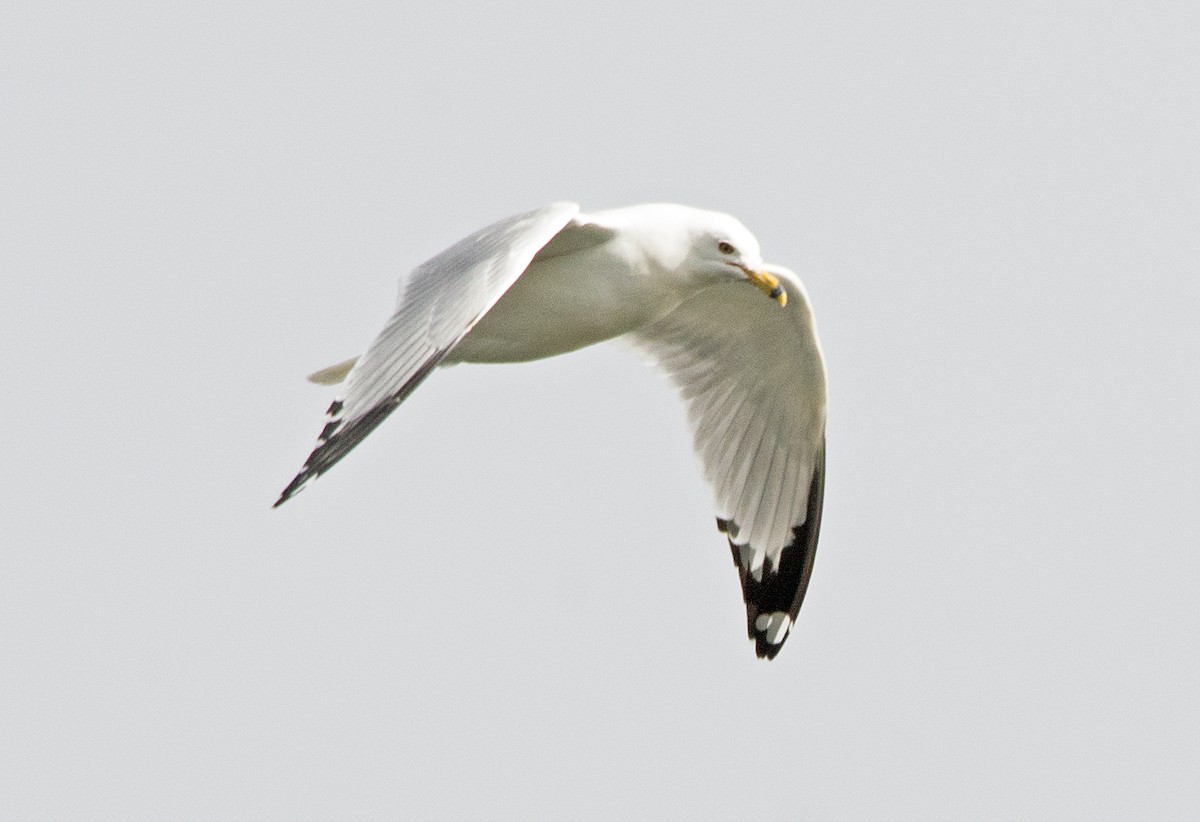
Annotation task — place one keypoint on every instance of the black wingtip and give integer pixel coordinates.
(294, 487)
(339, 436)
(778, 592)
(765, 650)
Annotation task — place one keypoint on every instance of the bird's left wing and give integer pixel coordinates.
(440, 301)
(753, 378)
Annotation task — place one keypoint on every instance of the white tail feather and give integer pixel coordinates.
(333, 374)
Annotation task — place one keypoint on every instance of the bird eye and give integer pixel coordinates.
(726, 248)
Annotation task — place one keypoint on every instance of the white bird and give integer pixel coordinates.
(684, 285)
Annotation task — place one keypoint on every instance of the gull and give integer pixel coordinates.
(688, 288)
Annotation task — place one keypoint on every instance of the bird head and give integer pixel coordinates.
(721, 248)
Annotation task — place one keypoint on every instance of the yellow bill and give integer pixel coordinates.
(768, 284)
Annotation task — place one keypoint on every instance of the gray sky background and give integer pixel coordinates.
(511, 603)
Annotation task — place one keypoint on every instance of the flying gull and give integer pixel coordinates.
(687, 287)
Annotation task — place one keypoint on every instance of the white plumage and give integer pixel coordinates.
(688, 287)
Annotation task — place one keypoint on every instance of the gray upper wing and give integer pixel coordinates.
(440, 301)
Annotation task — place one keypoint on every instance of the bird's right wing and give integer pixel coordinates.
(439, 303)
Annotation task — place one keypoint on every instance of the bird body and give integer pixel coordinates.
(673, 281)
(543, 313)
(606, 275)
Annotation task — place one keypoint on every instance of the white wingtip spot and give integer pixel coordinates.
(775, 625)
